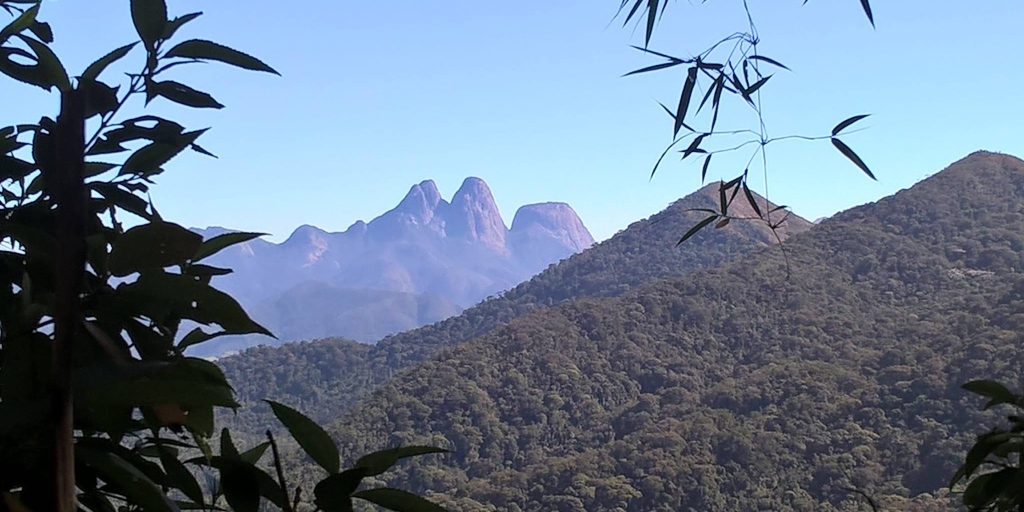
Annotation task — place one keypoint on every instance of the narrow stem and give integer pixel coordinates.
(280, 472)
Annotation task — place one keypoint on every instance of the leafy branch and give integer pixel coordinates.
(733, 66)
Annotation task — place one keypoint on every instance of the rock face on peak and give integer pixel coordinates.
(547, 232)
(433, 251)
(474, 217)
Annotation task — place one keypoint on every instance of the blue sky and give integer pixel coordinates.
(528, 95)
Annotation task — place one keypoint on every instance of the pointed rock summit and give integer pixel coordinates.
(421, 203)
(474, 216)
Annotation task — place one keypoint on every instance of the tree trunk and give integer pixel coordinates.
(69, 193)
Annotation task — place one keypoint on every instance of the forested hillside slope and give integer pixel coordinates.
(324, 377)
(738, 388)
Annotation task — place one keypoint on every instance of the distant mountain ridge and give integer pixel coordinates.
(741, 387)
(323, 378)
(443, 256)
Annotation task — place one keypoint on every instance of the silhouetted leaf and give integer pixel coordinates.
(227, 445)
(693, 231)
(704, 168)
(333, 494)
(172, 26)
(846, 123)
(221, 242)
(152, 245)
(866, 4)
(848, 153)
(149, 159)
(398, 500)
(96, 68)
(652, 13)
(378, 462)
(768, 60)
(208, 50)
(253, 455)
(310, 436)
(100, 98)
(751, 200)
(181, 93)
(42, 31)
(996, 392)
(684, 99)
(240, 485)
(655, 67)
(135, 485)
(20, 23)
(180, 477)
(150, 19)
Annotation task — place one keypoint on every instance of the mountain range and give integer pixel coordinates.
(637, 376)
(421, 262)
(325, 377)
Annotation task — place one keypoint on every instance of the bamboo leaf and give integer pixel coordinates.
(848, 153)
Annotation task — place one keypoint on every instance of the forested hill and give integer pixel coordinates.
(737, 388)
(324, 377)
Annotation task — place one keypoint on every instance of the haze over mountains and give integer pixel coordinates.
(741, 387)
(325, 377)
(423, 261)
(636, 376)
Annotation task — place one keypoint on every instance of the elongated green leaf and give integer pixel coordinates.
(334, 493)
(152, 245)
(137, 487)
(377, 463)
(93, 71)
(208, 50)
(769, 60)
(221, 242)
(150, 19)
(42, 30)
(652, 12)
(996, 392)
(158, 392)
(848, 153)
(655, 67)
(182, 94)
(846, 123)
(172, 26)
(693, 231)
(254, 454)
(310, 436)
(684, 99)
(704, 168)
(398, 500)
(149, 159)
(100, 98)
(227, 446)
(866, 5)
(750, 200)
(23, 21)
(179, 477)
(240, 485)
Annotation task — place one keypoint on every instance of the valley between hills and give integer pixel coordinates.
(720, 374)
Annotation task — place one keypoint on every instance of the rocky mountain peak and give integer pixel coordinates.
(474, 216)
(557, 220)
(421, 203)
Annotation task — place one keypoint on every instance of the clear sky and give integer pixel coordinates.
(528, 95)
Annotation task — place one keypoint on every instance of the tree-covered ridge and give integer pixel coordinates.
(737, 388)
(325, 377)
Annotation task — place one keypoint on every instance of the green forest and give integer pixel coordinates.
(326, 377)
(738, 387)
(710, 357)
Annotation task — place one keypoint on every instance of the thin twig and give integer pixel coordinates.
(280, 472)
